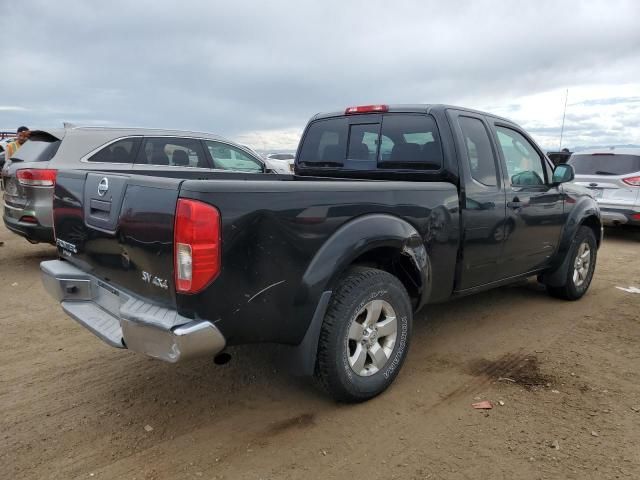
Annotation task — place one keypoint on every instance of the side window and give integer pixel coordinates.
(226, 157)
(481, 160)
(122, 151)
(524, 164)
(410, 142)
(175, 152)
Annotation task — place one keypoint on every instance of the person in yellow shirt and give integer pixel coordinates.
(21, 137)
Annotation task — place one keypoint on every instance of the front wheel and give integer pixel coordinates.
(365, 335)
(582, 263)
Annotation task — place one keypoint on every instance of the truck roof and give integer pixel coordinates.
(414, 108)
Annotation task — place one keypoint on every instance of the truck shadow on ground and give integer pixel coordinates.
(624, 234)
(199, 393)
(30, 258)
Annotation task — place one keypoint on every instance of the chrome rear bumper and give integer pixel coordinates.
(125, 321)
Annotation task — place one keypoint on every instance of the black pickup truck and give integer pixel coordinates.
(391, 208)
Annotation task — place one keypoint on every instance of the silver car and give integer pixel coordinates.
(613, 175)
(29, 177)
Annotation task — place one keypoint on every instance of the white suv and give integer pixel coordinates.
(613, 175)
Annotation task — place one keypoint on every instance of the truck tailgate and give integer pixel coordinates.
(119, 228)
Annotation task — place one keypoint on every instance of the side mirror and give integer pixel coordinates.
(563, 173)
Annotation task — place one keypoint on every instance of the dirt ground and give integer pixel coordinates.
(567, 373)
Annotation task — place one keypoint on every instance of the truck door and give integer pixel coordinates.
(535, 207)
(483, 201)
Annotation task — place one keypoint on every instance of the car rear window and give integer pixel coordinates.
(39, 148)
(397, 141)
(605, 164)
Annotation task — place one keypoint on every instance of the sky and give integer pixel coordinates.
(255, 72)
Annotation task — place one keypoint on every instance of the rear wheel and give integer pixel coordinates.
(365, 335)
(582, 262)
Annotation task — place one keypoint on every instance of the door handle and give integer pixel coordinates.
(516, 203)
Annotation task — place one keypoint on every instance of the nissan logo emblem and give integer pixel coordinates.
(103, 186)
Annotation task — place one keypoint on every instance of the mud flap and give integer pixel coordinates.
(301, 359)
(557, 277)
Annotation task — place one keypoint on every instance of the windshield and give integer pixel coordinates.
(605, 164)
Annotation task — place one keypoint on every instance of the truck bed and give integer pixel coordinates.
(278, 240)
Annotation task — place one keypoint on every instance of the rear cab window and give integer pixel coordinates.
(382, 142)
(604, 164)
(41, 147)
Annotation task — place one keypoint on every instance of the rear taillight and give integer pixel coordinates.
(28, 219)
(33, 177)
(366, 109)
(633, 181)
(197, 245)
(635, 216)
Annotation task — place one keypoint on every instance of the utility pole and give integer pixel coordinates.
(564, 113)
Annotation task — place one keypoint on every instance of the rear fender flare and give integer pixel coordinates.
(349, 242)
(357, 237)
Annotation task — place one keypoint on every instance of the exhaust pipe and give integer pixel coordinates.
(222, 358)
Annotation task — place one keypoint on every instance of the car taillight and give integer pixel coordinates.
(633, 181)
(197, 245)
(366, 109)
(33, 177)
(28, 219)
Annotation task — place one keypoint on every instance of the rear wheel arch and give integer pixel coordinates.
(380, 241)
(400, 263)
(396, 245)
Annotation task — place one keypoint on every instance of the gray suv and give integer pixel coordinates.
(613, 175)
(29, 177)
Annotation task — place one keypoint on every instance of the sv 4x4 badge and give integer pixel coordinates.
(153, 280)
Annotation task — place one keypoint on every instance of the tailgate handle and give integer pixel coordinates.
(100, 207)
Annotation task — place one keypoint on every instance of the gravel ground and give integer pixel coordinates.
(563, 378)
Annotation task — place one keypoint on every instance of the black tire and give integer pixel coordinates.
(574, 289)
(363, 289)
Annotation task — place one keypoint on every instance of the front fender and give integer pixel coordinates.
(584, 210)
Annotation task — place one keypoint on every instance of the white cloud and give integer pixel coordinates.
(271, 140)
(595, 115)
(11, 108)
